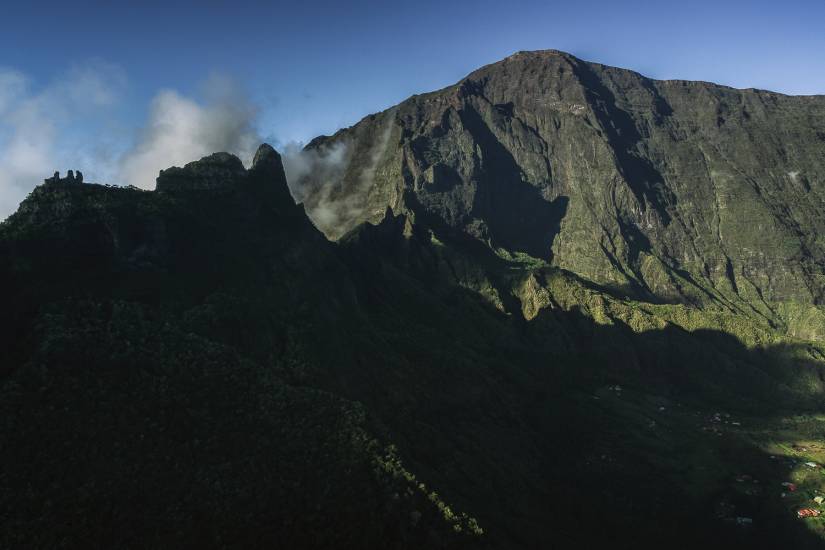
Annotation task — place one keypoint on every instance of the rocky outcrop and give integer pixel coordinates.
(224, 172)
(667, 190)
(216, 171)
(71, 177)
(130, 230)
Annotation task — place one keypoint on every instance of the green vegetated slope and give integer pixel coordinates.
(199, 366)
(557, 406)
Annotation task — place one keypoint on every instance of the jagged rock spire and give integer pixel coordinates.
(267, 158)
(265, 177)
(267, 172)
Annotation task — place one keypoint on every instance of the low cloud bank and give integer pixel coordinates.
(318, 176)
(313, 174)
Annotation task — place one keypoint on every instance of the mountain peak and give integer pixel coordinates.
(267, 162)
(268, 176)
(606, 173)
(266, 156)
(538, 53)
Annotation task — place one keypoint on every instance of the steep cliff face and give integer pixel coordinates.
(666, 190)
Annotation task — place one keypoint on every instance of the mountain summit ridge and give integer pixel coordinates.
(551, 52)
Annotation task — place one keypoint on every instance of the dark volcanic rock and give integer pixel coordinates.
(268, 170)
(267, 159)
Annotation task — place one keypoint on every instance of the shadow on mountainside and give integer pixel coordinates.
(518, 216)
(644, 180)
(519, 422)
(241, 384)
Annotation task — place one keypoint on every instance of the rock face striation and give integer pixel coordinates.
(665, 190)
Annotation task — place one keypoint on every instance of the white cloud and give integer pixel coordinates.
(32, 121)
(314, 176)
(315, 173)
(180, 130)
(324, 164)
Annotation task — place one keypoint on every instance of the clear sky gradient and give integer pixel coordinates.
(93, 73)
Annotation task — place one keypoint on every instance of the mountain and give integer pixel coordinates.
(200, 366)
(669, 191)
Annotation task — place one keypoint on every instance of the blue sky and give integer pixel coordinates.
(114, 89)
